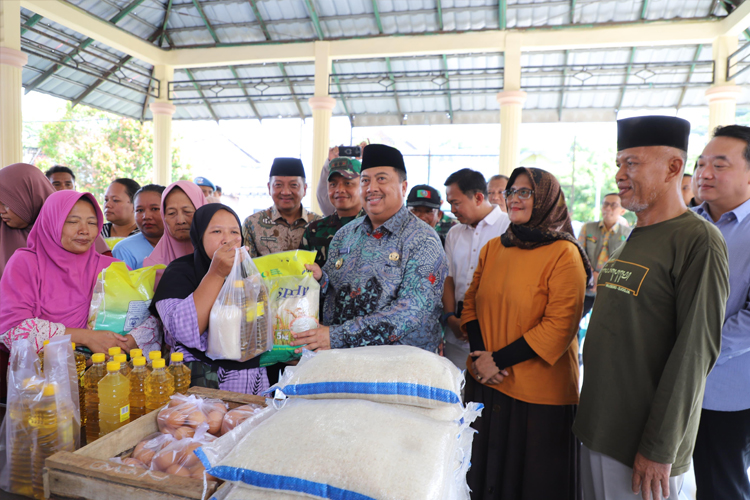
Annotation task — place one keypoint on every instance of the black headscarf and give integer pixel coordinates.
(183, 275)
(550, 220)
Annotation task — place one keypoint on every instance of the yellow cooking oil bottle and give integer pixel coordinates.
(158, 387)
(41, 355)
(52, 430)
(80, 369)
(124, 366)
(137, 379)
(151, 357)
(134, 353)
(112, 351)
(91, 379)
(20, 437)
(114, 399)
(180, 372)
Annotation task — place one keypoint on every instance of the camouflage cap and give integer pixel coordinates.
(346, 167)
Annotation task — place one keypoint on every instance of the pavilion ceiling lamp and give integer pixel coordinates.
(440, 80)
(262, 87)
(583, 76)
(645, 74)
(386, 82)
(216, 89)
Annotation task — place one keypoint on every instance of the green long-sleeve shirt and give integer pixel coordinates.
(654, 335)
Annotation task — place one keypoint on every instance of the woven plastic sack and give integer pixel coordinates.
(319, 448)
(295, 300)
(121, 298)
(385, 374)
(238, 326)
(238, 492)
(183, 416)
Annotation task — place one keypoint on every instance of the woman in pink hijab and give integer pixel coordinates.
(47, 286)
(178, 204)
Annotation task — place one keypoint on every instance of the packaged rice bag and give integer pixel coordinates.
(121, 298)
(294, 297)
(185, 414)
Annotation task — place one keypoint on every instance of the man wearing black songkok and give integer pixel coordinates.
(655, 330)
(280, 227)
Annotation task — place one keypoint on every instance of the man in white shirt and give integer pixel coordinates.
(479, 222)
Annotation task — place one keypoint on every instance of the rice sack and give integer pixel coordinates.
(395, 374)
(122, 297)
(294, 297)
(351, 449)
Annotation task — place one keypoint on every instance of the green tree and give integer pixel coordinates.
(100, 147)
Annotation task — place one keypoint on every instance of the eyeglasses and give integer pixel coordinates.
(523, 193)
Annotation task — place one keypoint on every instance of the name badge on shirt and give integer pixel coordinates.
(267, 238)
(343, 251)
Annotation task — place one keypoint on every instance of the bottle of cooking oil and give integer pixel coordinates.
(91, 379)
(114, 399)
(124, 367)
(180, 372)
(151, 357)
(158, 387)
(137, 381)
(20, 437)
(52, 427)
(134, 353)
(80, 369)
(41, 355)
(112, 351)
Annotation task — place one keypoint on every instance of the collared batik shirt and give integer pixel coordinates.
(385, 286)
(268, 232)
(319, 234)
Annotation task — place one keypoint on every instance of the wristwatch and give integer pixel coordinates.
(444, 317)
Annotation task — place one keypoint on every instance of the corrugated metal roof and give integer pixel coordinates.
(431, 89)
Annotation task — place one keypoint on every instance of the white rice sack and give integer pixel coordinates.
(238, 492)
(384, 374)
(351, 449)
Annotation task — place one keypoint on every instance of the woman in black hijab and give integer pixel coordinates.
(187, 292)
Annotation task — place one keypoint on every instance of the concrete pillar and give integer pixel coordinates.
(162, 111)
(12, 61)
(723, 94)
(511, 101)
(322, 108)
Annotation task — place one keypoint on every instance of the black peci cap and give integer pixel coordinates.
(287, 167)
(380, 155)
(653, 131)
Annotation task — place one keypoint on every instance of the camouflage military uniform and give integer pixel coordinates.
(268, 232)
(319, 234)
(444, 225)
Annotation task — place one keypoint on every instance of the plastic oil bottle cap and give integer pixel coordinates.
(134, 353)
(49, 390)
(98, 357)
(239, 284)
(73, 345)
(139, 361)
(113, 366)
(158, 363)
(114, 350)
(45, 342)
(177, 357)
(120, 358)
(154, 355)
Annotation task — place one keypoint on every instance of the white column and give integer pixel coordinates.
(723, 94)
(322, 108)
(511, 101)
(12, 61)
(162, 111)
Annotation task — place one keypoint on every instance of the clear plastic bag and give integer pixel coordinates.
(316, 447)
(145, 450)
(178, 458)
(185, 414)
(385, 374)
(236, 416)
(239, 327)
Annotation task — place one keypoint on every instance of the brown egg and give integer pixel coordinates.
(178, 470)
(175, 418)
(162, 461)
(196, 472)
(146, 456)
(190, 459)
(195, 418)
(215, 420)
(214, 405)
(175, 402)
(184, 432)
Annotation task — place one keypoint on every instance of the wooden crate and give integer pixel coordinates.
(87, 473)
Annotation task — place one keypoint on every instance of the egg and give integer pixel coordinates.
(178, 470)
(138, 448)
(175, 418)
(214, 405)
(190, 459)
(174, 402)
(215, 420)
(195, 418)
(162, 461)
(145, 456)
(184, 432)
(197, 472)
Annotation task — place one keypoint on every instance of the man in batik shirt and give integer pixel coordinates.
(383, 280)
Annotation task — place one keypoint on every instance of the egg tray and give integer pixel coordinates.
(88, 472)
